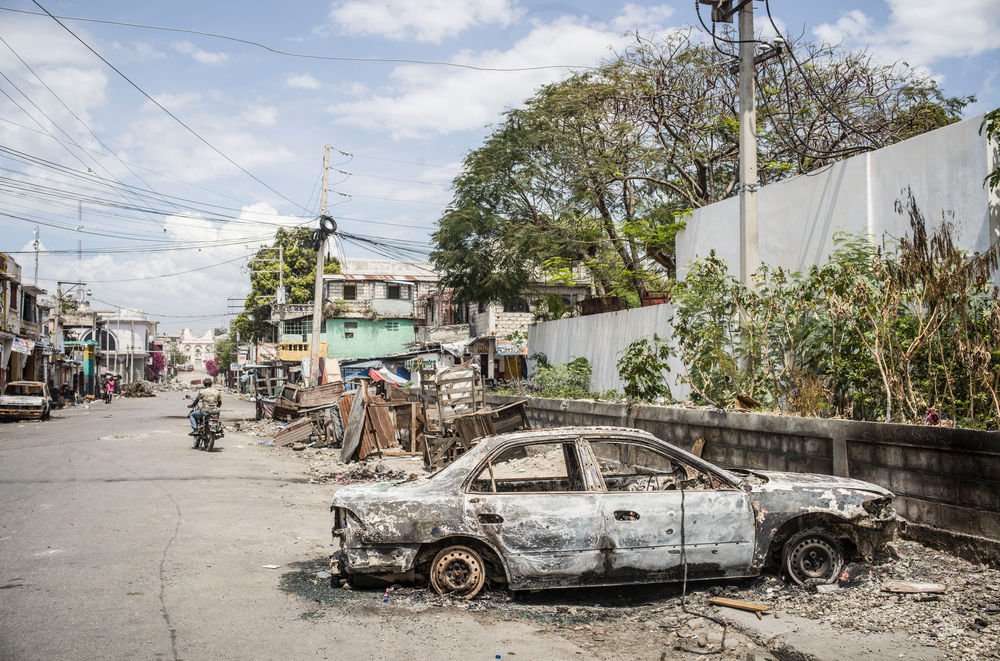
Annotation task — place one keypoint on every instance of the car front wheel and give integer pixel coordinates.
(458, 571)
(813, 557)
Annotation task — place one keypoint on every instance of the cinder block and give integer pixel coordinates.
(923, 511)
(980, 494)
(875, 474)
(756, 459)
(809, 465)
(860, 451)
(889, 455)
(989, 524)
(922, 460)
(959, 519)
(776, 462)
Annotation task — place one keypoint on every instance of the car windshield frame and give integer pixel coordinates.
(481, 465)
(662, 447)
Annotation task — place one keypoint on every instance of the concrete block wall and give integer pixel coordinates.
(944, 479)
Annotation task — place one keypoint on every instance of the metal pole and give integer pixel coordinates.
(318, 293)
(749, 233)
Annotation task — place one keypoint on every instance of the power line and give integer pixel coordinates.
(170, 114)
(333, 58)
(163, 275)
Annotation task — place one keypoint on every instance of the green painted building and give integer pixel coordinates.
(354, 337)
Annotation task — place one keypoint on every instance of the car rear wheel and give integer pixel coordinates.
(458, 571)
(813, 557)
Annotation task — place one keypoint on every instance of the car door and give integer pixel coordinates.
(533, 502)
(661, 512)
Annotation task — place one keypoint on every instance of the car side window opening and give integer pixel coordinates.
(537, 467)
(633, 467)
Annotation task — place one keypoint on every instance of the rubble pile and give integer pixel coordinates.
(138, 389)
(265, 428)
(964, 621)
(328, 469)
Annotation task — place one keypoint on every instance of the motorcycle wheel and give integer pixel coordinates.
(197, 439)
(210, 442)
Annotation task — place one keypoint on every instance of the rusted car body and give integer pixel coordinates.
(25, 400)
(576, 506)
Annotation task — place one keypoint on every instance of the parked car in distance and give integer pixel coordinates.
(26, 400)
(590, 506)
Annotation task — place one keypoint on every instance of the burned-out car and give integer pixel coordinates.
(575, 506)
(25, 400)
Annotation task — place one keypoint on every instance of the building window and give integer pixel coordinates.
(348, 335)
(350, 324)
(350, 292)
(392, 325)
(299, 326)
(392, 291)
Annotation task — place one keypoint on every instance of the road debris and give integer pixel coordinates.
(138, 389)
(905, 587)
(741, 605)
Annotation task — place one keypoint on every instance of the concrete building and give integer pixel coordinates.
(23, 347)
(124, 338)
(197, 347)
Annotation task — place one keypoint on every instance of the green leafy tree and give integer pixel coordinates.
(177, 356)
(599, 170)
(991, 129)
(225, 352)
(299, 280)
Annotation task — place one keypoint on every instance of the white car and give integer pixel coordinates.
(26, 399)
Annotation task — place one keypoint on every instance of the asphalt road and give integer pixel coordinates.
(118, 541)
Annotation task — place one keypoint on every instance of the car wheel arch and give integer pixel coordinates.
(834, 525)
(492, 557)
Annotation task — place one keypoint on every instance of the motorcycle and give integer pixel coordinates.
(208, 430)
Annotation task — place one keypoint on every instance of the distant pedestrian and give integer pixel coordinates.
(109, 389)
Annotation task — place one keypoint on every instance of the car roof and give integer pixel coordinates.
(490, 443)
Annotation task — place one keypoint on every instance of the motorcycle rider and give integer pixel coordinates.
(208, 400)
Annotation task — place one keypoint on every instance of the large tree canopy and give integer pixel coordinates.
(599, 170)
(299, 280)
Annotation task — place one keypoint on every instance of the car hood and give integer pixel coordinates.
(780, 481)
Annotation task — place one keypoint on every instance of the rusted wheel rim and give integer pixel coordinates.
(457, 571)
(813, 560)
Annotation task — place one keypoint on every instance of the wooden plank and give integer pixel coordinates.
(907, 587)
(382, 425)
(698, 446)
(353, 428)
(741, 605)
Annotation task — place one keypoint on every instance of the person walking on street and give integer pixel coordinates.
(109, 390)
(208, 400)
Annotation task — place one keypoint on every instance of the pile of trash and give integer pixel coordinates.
(137, 389)
(327, 468)
(265, 428)
(948, 603)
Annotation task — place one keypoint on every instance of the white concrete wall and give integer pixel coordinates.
(600, 338)
(799, 217)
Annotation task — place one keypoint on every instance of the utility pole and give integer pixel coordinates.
(318, 293)
(749, 232)
(36, 243)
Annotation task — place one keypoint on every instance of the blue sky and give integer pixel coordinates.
(403, 127)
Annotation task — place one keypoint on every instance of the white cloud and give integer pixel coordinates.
(138, 51)
(203, 56)
(421, 20)
(636, 17)
(303, 81)
(921, 31)
(423, 101)
(262, 115)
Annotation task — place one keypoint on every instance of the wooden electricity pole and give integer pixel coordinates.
(318, 293)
